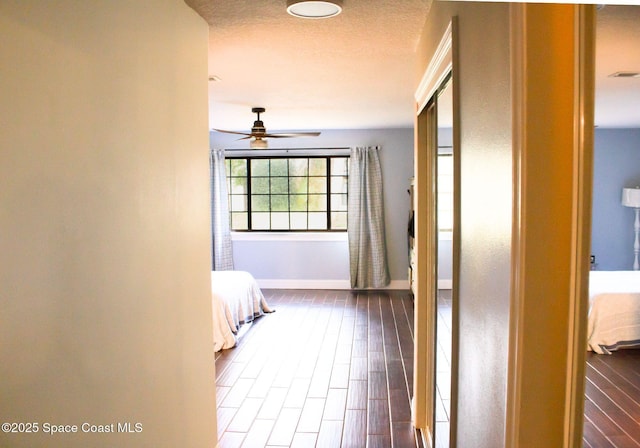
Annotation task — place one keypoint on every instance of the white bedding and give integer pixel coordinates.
(614, 310)
(236, 299)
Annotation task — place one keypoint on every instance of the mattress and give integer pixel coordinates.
(236, 300)
(614, 310)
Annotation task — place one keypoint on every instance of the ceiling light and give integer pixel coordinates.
(312, 9)
(258, 143)
(625, 75)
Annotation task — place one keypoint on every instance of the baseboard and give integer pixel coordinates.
(321, 284)
(303, 284)
(445, 284)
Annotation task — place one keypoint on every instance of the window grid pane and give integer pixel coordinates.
(237, 191)
(288, 193)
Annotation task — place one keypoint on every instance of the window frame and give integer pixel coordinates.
(287, 156)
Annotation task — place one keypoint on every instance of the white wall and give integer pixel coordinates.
(104, 260)
(318, 264)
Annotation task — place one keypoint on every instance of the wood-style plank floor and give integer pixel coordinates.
(335, 369)
(327, 369)
(612, 400)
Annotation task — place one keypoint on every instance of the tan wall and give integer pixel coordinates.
(104, 260)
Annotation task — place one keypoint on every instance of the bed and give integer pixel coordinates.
(236, 299)
(614, 310)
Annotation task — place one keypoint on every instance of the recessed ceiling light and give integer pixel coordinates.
(625, 75)
(312, 9)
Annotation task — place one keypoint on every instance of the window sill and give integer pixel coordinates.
(289, 236)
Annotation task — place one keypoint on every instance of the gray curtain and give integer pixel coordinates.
(221, 250)
(367, 248)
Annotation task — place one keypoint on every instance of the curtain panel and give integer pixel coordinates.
(221, 250)
(367, 247)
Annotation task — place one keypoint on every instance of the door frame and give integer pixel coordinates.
(530, 298)
(440, 68)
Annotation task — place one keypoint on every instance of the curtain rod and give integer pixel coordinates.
(290, 149)
(284, 151)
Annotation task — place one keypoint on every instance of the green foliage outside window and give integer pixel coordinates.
(288, 193)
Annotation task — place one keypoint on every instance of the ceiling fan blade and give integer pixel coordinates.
(233, 132)
(258, 132)
(293, 134)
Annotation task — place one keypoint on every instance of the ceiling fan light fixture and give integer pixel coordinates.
(259, 135)
(258, 143)
(314, 9)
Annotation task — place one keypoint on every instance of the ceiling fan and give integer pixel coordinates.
(258, 132)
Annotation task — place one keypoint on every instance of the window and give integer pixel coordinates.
(445, 192)
(288, 193)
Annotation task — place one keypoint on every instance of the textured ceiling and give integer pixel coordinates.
(357, 70)
(617, 49)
